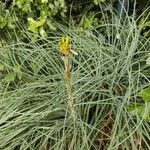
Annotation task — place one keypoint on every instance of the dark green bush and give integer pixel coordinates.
(41, 16)
(36, 15)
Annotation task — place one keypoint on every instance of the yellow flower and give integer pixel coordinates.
(65, 46)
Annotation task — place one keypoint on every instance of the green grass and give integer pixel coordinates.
(107, 75)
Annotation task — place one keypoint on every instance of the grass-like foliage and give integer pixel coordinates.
(107, 74)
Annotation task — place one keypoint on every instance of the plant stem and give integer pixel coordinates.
(69, 86)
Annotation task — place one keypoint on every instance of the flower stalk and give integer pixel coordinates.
(65, 49)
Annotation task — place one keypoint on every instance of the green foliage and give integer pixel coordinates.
(142, 109)
(5, 17)
(12, 75)
(96, 2)
(106, 75)
(143, 15)
(41, 16)
(90, 20)
(145, 94)
(38, 16)
(144, 24)
(148, 59)
(1, 67)
(34, 25)
(3, 22)
(37, 26)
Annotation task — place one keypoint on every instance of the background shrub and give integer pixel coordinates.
(41, 16)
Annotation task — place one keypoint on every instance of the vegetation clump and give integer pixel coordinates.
(89, 90)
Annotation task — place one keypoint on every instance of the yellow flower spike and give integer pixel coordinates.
(63, 39)
(65, 46)
(67, 40)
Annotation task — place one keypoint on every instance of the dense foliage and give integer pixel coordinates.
(109, 78)
(40, 17)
